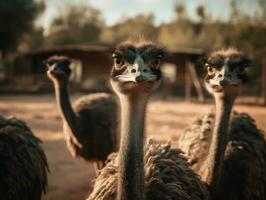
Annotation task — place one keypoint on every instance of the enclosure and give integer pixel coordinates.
(87, 32)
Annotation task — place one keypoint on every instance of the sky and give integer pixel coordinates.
(163, 10)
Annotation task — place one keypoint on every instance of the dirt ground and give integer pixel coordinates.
(70, 178)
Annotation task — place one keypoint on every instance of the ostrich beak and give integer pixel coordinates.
(135, 78)
(225, 79)
(126, 78)
(137, 73)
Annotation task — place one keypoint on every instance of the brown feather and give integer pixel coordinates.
(167, 176)
(23, 164)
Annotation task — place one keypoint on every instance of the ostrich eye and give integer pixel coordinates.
(50, 63)
(210, 70)
(241, 70)
(156, 63)
(118, 62)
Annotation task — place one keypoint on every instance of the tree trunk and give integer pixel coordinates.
(264, 80)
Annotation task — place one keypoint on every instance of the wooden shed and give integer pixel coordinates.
(96, 63)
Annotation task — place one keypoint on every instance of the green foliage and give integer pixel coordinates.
(180, 10)
(78, 24)
(32, 40)
(138, 26)
(177, 34)
(242, 31)
(16, 18)
(83, 24)
(201, 12)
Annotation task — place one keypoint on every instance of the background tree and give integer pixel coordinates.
(32, 40)
(130, 27)
(78, 24)
(180, 11)
(178, 33)
(16, 18)
(200, 10)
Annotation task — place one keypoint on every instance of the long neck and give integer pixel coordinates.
(67, 113)
(218, 142)
(131, 168)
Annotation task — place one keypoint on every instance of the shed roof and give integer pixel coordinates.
(104, 48)
(68, 48)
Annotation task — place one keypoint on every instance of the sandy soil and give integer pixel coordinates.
(70, 178)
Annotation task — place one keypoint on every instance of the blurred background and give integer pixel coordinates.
(87, 30)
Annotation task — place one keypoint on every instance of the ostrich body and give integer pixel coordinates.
(90, 128)
(23, 164)
(142, 170)
(227, 150)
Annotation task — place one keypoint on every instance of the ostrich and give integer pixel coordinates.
(90, 129)
(142, 170)
(23, 164)
(229, 155)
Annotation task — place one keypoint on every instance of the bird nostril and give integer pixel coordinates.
(133, 71)
(223, 83)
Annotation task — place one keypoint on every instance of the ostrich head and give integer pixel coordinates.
(58, 68)
(136, 68)
(226, 72)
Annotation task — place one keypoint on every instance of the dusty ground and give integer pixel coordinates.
(70, 178)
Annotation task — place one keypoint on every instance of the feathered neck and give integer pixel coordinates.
(66, 110)
(131, 168)
(218, 142)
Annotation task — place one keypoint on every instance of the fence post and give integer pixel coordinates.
(188, 82)
(196, 81)
(264, 80)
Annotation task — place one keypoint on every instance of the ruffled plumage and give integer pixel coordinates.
(167, 176)
(245, 156)
(23, 164)
(98, 116)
